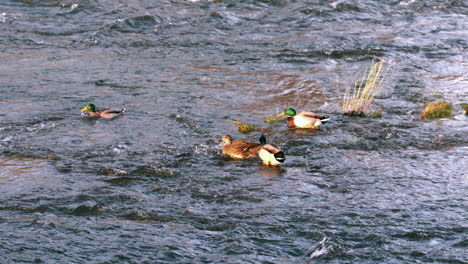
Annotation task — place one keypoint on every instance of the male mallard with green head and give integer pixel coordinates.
(239, 149)
(303, 119)
(270, 155)
(103, 113)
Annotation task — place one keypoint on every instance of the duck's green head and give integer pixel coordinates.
(290, 112)
(89, 107)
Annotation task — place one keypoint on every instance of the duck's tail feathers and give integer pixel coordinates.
(324, 119)
(280, 157)
(123, 110)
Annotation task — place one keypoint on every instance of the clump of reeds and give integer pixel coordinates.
(437, 109)
(358, 100)
(243, 127)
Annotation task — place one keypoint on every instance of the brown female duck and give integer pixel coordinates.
(239, 149)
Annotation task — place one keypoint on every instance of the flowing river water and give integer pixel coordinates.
(153, 186)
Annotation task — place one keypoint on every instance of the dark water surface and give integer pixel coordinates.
(152, 187)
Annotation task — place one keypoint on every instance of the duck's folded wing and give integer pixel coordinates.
(248, 146)
(310, 114)
(111, 111)
(271, 148)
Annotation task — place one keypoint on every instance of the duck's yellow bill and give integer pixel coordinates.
(280, 115)
(84, 109)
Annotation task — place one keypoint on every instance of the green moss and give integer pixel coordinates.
(375, 114)
(215, 15)
(272, 119)
(465, 108)
(243, 127)
(354, 113)
(437, 109)
(436, 94)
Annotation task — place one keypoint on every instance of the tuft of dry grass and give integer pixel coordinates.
(437, 109)
(243, 127)
(358, 100)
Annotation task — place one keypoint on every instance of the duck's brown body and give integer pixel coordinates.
(239, 149)
(106, 113)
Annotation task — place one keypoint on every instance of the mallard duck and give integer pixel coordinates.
(270, 155)
(239, 149)
(103, 113)
(303, 119)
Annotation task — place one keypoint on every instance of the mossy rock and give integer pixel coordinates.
(465, 108)
(243, 127)
(355, 113)
(374, 114)
(437, 109)
(272, 119)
